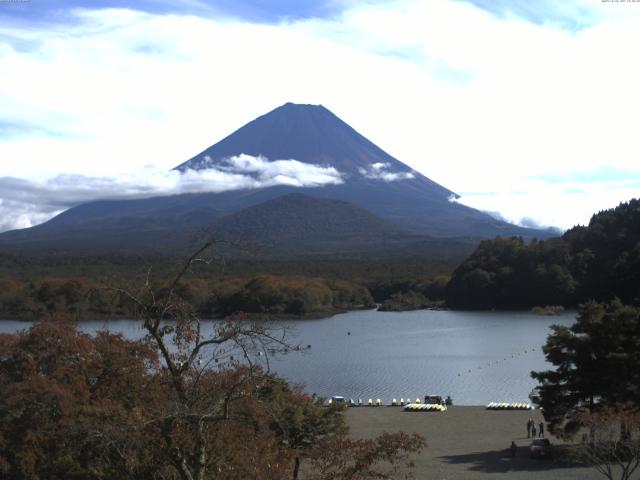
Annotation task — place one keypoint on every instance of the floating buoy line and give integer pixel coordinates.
(495, 363)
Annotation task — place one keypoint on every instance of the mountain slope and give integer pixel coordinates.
(368, 177)
(312, 134)
(308, 133)
(292, 225)
(297, 224)
(301, 217)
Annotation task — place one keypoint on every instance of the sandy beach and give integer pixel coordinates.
(468, 443)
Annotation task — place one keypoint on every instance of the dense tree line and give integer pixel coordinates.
(75, 297)
(598, 262)
(121, 268)
(431, 288)
(297, 296)
(508, 273)
(265, 295)
(31, 287)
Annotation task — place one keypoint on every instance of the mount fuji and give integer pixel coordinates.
(303, 170)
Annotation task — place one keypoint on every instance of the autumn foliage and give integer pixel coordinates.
(83, 298)
(79, 406)
(193, 400)
(612, 444)
(72, 404)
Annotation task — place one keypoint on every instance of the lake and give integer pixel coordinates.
(476, 357)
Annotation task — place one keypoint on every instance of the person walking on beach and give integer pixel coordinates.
(513, 448)
(529, 425)
(541, 430)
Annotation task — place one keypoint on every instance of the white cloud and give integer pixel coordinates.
(475, 102)
(268, 173)
(24, 203)
(380, 171)
(21, 214)
(562, 204)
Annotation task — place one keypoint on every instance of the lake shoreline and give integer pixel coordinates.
(319, 315)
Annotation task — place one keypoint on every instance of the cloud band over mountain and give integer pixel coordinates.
(24, 203)
(380, 171)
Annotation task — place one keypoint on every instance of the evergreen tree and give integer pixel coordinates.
(597, 364)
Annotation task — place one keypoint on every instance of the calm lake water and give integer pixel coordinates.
(476, 357)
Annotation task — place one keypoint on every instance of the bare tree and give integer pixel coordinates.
(612, 444)
(190, 350)
(217, 376)
(194, 400)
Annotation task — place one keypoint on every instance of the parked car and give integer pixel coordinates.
(541, 448)
(433, 399)
(534, 396)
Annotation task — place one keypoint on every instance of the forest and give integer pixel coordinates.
(178, 404)
(185, 404)
(88, 287)
(192, 400)
(598, 262)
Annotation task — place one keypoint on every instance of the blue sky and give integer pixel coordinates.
(569, 15)
(526, 108)
(249, 10)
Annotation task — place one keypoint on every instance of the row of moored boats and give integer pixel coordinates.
(432, 403)
(509, 406)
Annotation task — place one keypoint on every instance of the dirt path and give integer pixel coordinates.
(468, 443)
